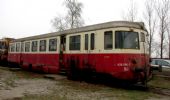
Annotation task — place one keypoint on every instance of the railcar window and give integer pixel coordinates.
(142, 37)
(108, 40)
(86, 41)
(34, 46)
(27, 46)
(126, 40)
(52, 44)
(5, 45)
(92, 41)
(13, 48)
(10, 48)
(42, 45)
(74, 42)
(22, 47)
(17, 47)
(2, 45)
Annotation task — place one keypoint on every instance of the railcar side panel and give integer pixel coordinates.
(120, 66)
(14, 57)
(42, 62)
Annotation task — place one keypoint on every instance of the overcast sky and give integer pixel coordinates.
(22, 18)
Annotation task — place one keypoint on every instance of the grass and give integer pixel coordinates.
(160, 82)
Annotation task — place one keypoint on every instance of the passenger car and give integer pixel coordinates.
(117, 49)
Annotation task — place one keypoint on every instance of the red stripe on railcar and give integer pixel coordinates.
(118, 65)
(41, 62)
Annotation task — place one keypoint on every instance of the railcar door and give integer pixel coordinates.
(18, 54)
(62, 51)
(86, 48)
(21, 54)
(89, 47)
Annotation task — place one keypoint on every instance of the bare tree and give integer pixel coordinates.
(168, 31)
(155, 47)
(149, 15)
(131, 14)
(59, 23)
(162, 7)
(73, 18)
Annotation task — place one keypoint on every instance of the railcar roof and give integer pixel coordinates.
(113, 24)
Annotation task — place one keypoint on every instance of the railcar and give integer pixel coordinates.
(4, 45)
(116, 48)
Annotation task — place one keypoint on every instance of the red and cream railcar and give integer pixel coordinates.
(115, 48)
(39, 53)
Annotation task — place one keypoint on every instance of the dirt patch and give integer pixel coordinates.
(6, 79)
(13, 87)
(27, 87)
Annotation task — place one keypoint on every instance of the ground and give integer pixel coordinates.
(24, 85)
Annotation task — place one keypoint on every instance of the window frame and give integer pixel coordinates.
(138, 48)
(17, 47)
(86, 42)
(12, 47)
(92, 41)
(75, 45)
(49, 47)
(142, 37)
(34, 48)
(27, 46)
(45, 46)
(105, 45)
(22, 47)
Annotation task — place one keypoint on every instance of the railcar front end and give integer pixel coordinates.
(130, 60)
